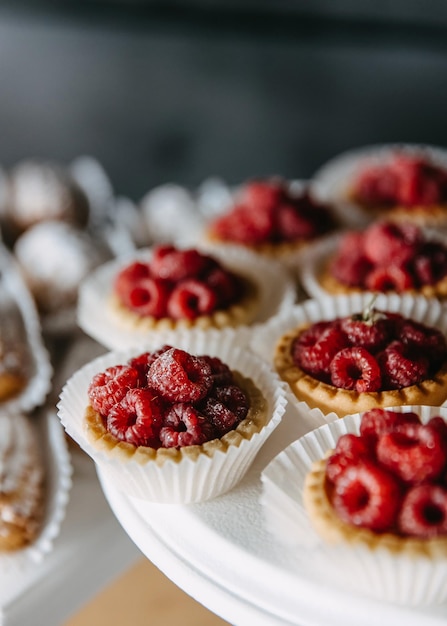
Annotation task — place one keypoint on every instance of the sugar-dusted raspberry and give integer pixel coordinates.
(378, 421)
(184, 425)
(191, 298)
(315, 357)
(351, 269)
(423, 339)
(109, 387)
(424, 512)
(221, 416)
(292, 222)
(173, 264)
(129, 276)
(356, 369)
(389, 278)
(375, 185)
(439, 424)
(234, 398)
(242, 225)
(371, 334)
(262, 196)
(143, 361)
(137, 418)
(430, 265)
(349, 450)
(413, 452)
(148, 297)
(368, 496)
(401, 366)
(391, 243)
(418, 181)
(220, 372)
(180, 376)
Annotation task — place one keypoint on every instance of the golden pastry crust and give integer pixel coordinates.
(256, 419)
(278, 251)
(333, 286)
(11, 384)
(327, 398)
(316, 498)
(21, 484)
(242, 312)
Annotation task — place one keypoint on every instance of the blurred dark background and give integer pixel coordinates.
(180, 91)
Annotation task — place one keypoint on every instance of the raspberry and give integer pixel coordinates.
(224, 285)
(355, 368)
(148, 297)
(109, 387)
(371, 335)
(180, 377)
(424, 512)
(222, 418)
(184, 426)
(368, 496)
(315, 358)
(389, 278)
(419, 182)
(220, 372)
(233, 398)
(423, 339)
(292, 223)
(349, 450)
(376, 186)
(351, 270)
(190, 299)
(377, 422)
(439, 424)
(413, 452)
(400, 367)
(430, 265)
(137, 418)
(262, 196)
(175, 265)
(128, 277)
(143, 361)
(389, 243)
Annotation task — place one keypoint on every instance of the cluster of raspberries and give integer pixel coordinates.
(177, 283)
(382, 352)
(405, 180)
(168, 398)
(268, 212)
(392, 477)
(389, 256)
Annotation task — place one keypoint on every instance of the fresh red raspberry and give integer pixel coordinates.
(418, 181)
(390, 243)
(293, 223)
(220, 372)
(422, 339)
(371, 335)
(389, 278)
(109, 387)
(137, 418)
(170, 263)
(351, 269)
(243, 225)
(376, 186)
(355, 368)
(142, 363)
(349, 450)
(234, 398)
(377, 422)
(316, 358)
(401, 367)
(218, 414)
(148, 297)
(191, 298)
(180, 377)
(225, 285)
(262, 196)
(413, 452)
(368, 496)
(184, 425)
(128, 277)
(430, 265)
(439, 424)
(424, 512)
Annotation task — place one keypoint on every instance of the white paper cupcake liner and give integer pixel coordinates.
(39, 382)
(265, 338)
(334, 178)
(57, 485)
(277, 293)
(379, 574)
(187, 481)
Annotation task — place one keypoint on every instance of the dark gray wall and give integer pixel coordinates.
(182, 95)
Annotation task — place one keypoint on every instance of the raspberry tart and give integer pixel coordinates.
(172, 425)
(369, 492)
(396, 181)
(387, 256)
(273, 218)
